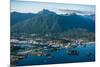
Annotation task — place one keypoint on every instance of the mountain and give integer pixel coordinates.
(17, 17)
(46, 12)
(47, 21)
(92, 17)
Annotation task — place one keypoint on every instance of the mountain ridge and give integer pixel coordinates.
(47, 21)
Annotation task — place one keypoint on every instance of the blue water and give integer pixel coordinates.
(60, 56)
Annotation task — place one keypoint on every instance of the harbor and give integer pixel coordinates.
(51, 51)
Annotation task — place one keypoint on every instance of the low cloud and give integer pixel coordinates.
(74, 11)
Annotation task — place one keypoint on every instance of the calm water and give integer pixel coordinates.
(60, 56)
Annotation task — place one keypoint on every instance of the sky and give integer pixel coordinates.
(34, 7)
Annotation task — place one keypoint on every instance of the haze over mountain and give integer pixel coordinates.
(47, 21)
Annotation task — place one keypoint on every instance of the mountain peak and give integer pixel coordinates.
(46, 11)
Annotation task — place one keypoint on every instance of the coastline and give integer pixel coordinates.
(89, 43)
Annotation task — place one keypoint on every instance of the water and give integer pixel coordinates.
(61, 56)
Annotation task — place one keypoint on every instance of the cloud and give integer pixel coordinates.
(74, 11)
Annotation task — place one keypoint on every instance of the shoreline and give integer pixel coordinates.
(89, 43)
